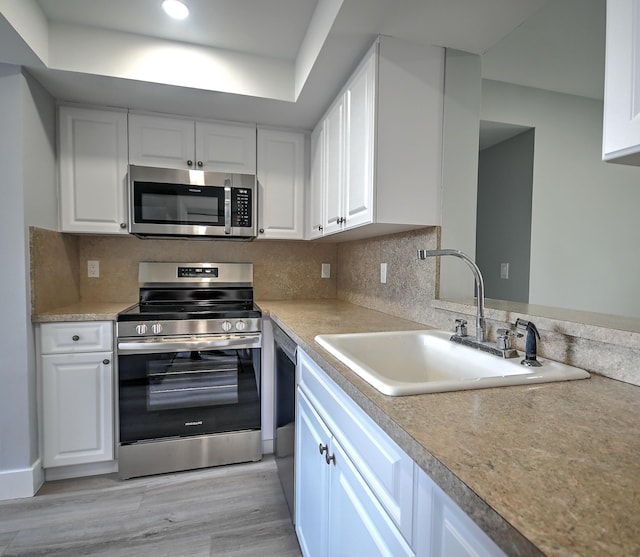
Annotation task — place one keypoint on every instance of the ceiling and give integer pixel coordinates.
(273, 28)
(273, 62)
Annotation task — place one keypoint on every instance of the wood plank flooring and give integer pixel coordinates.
(229, 511)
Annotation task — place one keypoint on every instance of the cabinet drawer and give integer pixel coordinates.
(385, 467)
(65, 338)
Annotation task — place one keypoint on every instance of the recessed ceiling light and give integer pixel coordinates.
(175, 9)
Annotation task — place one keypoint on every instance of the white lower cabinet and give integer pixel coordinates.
(337, 513)
(77, 393)
(359, 494)
(442, 529)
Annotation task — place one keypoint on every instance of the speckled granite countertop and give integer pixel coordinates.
(82, 311)
(548, 469)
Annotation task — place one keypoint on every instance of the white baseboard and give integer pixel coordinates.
(267, 446)
(81, 470)
(22, 483)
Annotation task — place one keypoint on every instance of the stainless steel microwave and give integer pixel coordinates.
(165, 202)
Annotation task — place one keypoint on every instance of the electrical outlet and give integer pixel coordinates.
(93, 269)
(326, 270)
(383, 273)
(504, 270)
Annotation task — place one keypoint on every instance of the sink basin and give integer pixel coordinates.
(414, 362)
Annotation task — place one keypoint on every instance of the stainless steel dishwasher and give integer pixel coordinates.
(285, 391)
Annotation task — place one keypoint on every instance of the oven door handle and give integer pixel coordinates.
(220, 342)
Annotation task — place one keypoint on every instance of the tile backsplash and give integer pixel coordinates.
(55, 269)
(282, 269)
(291, 270)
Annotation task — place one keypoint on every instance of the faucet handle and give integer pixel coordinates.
(505, 338)
(461, 327)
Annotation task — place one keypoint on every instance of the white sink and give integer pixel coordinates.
(414, 362)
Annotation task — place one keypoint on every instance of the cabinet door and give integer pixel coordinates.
(226, 147)
(161, 141)
(358, 525)
(77, 408)
(359, 137)
(312, 479)
(315, 204)
(281, 181)
(93, 170)
(621, 133)
(442, 529)
(334, 168)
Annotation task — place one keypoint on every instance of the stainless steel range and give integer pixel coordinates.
(189, 369)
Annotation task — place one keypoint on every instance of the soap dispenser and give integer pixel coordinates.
(531, 345)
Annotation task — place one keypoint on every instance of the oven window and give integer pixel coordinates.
(178, 204)
(192, 379)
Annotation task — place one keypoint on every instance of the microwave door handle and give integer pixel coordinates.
(227, 206)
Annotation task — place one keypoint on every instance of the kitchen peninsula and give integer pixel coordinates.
(545, 470)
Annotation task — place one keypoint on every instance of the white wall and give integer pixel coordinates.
(459, 170)
(584, 233)
(28, 178)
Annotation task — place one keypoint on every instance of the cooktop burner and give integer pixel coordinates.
(176, 311)
(208, 297)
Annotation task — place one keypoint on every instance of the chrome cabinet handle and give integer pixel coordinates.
(75, 338)
(200, 163)
(330, 459)
(189, 162)
(262, 231)
(323, 448)
(123, 225)
(106, 362)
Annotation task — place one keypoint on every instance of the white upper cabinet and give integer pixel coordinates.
(334, 155)
(93, 170)
(379, 161)
(226, 147)
(315, 204)
(359, 145)
(281, 184)
(621, 129)
(169, 142)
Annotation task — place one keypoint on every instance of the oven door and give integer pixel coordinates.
(178, 388)
(180, 209)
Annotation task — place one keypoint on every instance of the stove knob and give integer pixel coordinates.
(156, 328)
(241, 325)
(226, 326)
(141, 329)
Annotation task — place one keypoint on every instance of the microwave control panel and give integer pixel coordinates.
(241, 207)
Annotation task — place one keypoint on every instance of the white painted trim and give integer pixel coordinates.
(21, 483)
(81, 470)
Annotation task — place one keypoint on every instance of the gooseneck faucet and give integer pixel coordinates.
(480, 323)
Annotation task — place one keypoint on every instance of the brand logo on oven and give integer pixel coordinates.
(199, 422)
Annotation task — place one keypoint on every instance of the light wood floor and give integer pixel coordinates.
(230, 511)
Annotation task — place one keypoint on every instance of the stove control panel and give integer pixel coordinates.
(173, 327)
(197, 272)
